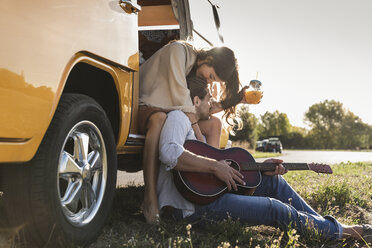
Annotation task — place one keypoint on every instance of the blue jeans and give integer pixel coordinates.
(274, 203)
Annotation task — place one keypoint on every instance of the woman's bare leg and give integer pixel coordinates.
(211, 129)
(151, 167)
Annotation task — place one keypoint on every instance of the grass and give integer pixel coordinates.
(256, 154)
(6, 234)
(347, 195)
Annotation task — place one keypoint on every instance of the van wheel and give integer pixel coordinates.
(63, 196)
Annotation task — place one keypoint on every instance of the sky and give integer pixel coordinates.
(305, 52)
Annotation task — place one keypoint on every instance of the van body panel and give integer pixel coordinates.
(33, 72)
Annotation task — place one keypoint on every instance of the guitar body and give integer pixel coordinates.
(204, 188)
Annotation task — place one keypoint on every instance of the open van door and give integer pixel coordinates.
(206, 23)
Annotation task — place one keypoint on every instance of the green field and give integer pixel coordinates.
(346, 194)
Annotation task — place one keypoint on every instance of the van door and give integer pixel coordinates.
(205, 32)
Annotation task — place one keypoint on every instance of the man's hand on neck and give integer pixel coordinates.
(194, 119)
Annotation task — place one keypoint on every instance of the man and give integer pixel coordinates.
(274, 202)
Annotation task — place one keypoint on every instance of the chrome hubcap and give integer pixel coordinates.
(82, 173)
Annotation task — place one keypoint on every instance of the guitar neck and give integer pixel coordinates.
(271, 166)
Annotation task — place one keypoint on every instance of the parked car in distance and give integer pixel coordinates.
(269, 145)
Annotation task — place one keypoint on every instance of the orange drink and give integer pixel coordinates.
(253, 96)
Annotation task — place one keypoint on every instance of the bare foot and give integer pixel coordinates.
(151, 213)
(355, 232)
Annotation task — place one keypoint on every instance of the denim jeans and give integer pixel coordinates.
(274, 203)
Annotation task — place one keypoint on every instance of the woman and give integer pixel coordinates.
(163, 87)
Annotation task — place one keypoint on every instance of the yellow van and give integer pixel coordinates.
(68, 105)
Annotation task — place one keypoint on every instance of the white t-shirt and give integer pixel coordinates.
(176, 130)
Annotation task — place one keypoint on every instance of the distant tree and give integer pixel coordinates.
(332, 127)
(369, 137)
(315, 139)
(296, 139)
(353, 132)
(274, 124)
(249, 130)
(325, 119)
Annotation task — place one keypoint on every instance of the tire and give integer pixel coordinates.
(62, 197)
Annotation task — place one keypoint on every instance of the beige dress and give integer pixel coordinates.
(163, 85)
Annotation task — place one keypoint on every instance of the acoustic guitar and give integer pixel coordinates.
(204, 188)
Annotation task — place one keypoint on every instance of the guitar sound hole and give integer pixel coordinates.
(233, 164)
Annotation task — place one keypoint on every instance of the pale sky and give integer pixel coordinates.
(304, 51)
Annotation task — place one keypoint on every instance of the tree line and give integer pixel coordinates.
(331, 127)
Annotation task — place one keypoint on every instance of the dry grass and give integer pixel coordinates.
(347, 195)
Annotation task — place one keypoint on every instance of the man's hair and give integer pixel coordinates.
(198, 87)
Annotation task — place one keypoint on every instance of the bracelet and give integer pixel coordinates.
(194, 123)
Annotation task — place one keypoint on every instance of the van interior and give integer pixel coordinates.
(159, 22)
(157, 26)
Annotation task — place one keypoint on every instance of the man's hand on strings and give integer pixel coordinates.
(228, 175)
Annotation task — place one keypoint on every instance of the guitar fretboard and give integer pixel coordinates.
(271, 166)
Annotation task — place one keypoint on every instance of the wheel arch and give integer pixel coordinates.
(87, 79)
(99, 79)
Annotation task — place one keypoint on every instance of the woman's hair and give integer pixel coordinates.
(226, 67)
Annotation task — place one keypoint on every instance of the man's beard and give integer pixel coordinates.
(204, 116)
